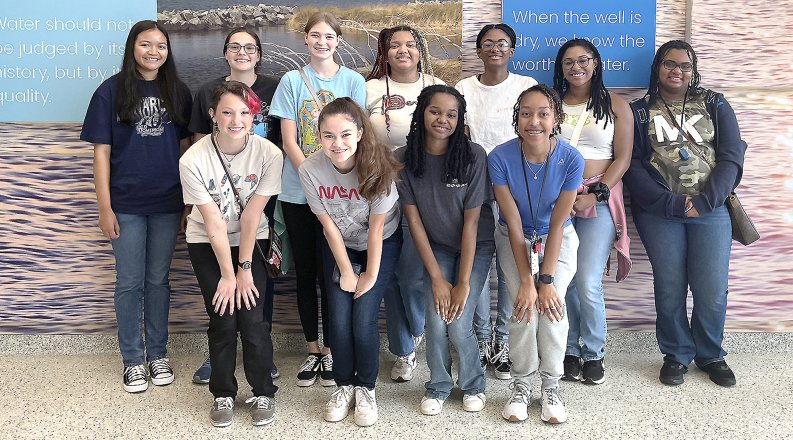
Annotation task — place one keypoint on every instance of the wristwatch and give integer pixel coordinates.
(545, 278)
(245, 265)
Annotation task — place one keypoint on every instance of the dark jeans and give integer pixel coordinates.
(305, 237)
(257, 345)
(354, 335)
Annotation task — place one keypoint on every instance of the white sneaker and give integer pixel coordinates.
(430, 406)
(402, 371)
(517, 407)
(474, 402)
(339, 404)
(552, 406)
(365, 407)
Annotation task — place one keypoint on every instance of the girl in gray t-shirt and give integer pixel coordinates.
(350, 186)
(445, 192)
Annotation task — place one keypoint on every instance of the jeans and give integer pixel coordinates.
(503, 310)
(689, 252)
(257, 344)
(541, 344)
(305, 236)
(404, 298)
(471, 376)
(143, 252)
(586, 306)
(354, 335)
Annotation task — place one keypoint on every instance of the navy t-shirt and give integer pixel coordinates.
(144, 155)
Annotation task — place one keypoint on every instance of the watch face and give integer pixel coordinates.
(546, 279)
(245, 265)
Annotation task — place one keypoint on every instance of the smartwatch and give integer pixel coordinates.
(545, 278)
(245, 265)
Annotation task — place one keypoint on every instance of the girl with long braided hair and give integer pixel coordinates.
(445, 193)
(401, 71)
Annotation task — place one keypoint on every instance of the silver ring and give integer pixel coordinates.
(552, 308)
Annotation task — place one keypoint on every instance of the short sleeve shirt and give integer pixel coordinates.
(336, 195)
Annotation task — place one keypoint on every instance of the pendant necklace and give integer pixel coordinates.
(528, 164)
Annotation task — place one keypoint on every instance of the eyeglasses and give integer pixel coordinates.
(502, 45)
(235, 48)
(671, 65)
(582, 62)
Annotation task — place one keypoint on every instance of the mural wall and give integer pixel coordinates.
(56, 270)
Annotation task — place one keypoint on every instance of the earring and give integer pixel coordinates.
(250, 132)
(215, 128)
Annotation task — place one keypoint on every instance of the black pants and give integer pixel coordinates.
(257, 344)
(306, 237)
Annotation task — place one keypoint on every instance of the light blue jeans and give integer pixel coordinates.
(540, 345)
(404, 298)
(586, 306)
(471, 376)
(689, 253)
(482, 319)
(143, 252)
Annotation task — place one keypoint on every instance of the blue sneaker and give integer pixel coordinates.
(201, 375)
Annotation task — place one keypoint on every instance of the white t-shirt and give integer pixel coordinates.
(255, 170)
(400, 106)
(489, 109)
(335, 194)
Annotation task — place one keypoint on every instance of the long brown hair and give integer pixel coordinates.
(375, 164)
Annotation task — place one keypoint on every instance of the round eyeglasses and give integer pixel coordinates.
(582, 62)
(501, 45)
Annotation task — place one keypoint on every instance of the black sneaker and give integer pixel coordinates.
(136, 379)
(572, 368)
(672, 373)
(326, 378)
(503, 366)
(720, 373)
(484, 352)
(593, 373)
(308, 372)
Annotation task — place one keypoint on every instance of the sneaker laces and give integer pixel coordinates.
(224, 403)
(160, 366)
(327, 362)
(309, 364)
(484, 349)
(552, 396)
(503, 355)
(406, 359)
(342, 395)
(520, 393)
(135, 372)
(259, 402)
(368, 398)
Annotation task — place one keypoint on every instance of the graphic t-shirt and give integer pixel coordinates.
(335, 194)
(490, 108)
(442, 205)
(144, 155)
(264, 124)
(684, 167)
(293, 101)
(391, 108)
(255, 170)
(564, 169)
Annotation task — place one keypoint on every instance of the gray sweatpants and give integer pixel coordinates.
(541, 344)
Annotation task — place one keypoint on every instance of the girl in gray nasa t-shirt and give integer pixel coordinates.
(350, 186)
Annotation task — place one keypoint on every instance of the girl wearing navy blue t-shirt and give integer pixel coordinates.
(137, 121)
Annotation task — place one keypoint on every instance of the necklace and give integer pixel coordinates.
(528, 164)
(230, 157)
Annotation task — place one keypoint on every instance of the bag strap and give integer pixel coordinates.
(234, 190)
(579, 126)
(687, 135)
(310, 87)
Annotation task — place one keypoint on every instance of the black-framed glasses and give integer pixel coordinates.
(582, 62)
(502, 45)
(671, 65)
(236, 47)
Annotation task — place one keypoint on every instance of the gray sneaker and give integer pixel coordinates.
(222, 411)
(262, 410)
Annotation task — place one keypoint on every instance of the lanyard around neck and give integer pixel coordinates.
(534, 216)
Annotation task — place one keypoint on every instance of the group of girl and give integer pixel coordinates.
(416, 187)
